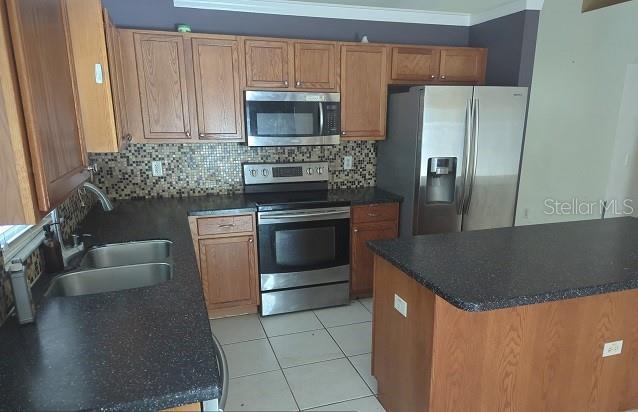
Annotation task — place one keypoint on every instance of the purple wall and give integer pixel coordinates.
(511, 43)
(162, 15)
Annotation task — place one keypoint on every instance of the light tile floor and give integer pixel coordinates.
(314, 360)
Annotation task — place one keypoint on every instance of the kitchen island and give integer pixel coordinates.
(508, 319)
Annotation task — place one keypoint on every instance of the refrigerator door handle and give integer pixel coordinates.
(460, 205)
(475, 137)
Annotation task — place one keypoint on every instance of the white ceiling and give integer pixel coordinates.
(446, 6)
(445, 12)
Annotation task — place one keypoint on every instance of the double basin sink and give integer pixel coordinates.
(116, 267)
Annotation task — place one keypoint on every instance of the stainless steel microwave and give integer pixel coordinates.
(292, 118)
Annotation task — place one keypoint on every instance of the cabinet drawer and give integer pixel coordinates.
(375, 212)
(224, 224)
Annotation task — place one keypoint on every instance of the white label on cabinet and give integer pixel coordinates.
(612, 348)
(401, 305)
(99, 76)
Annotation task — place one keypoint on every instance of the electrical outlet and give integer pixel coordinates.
(401, 305)
(612, 348)
(347, 162)
(156, 168)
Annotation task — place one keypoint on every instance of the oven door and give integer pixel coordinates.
(304, 247)
(290, 119)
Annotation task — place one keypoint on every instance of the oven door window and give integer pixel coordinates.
(301, 246)
(282, 119)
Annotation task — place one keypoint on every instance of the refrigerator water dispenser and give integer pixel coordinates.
(441, 180)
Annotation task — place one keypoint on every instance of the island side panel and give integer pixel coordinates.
(402, 346)
(542, 357)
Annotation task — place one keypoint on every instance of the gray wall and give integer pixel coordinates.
(161, 15)
(511, 43)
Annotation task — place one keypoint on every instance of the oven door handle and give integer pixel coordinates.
(289, 217)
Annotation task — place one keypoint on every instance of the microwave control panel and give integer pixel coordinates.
(332, 121)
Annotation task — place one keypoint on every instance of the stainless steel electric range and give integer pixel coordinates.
(303, 237)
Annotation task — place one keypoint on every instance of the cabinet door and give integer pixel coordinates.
(267, 63)
(114, 53)
(88, 43)
(415, 63)
(228, 270)
(39, 31)
(164, 95)
(463, 65)
(217, 89)
(362, 257)
(315, 66)
(363, 91)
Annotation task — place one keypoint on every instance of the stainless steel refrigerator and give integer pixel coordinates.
(453, 153)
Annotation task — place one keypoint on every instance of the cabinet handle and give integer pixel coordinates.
(355, 230)
(188, 134)
(227, 225)
(372, 214)
(286, 83)
(343, 133)
(202, 135)
(443, 77)
(298, 84)
(432, 76)
(250, 240)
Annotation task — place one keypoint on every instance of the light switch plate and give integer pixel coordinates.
(612, 348)
(156, 168)
(347, 162)
(401, 305)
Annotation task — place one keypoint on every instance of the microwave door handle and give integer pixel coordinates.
(320, 119)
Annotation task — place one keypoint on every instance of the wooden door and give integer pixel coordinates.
(419, 64)
(362, 256)
(315, 66)
(217, 88)
(228, 270)
(114, 54)
(363, 91)
(88, 43)
(42, 50)
(164, 92)
(267, 63)
(463, 65)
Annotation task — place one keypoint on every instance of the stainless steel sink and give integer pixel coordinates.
(132, 253)
(110, 279)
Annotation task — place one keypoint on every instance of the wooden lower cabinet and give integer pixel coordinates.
(370, 222)
(227, 264)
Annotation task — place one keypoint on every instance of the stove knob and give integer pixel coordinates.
(320, 170)
(253, 172)
(309, 171)
(264, 172)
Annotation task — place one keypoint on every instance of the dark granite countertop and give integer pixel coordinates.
(138, 349)
(499, 268)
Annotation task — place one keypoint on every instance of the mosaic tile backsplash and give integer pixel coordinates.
(73, 211)
(199, 169)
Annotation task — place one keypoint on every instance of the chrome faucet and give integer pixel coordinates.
(70, 252)
(107, 206)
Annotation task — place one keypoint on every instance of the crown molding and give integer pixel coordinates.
(351, 12)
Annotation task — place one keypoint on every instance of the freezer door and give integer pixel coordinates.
(444, 128)
(499, 116)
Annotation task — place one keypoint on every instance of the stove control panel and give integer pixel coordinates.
(262, 173)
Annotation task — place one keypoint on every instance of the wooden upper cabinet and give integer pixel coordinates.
(217, 88)
(363, 91)
(315, 66)
(267, 63)
(116, 65)
(164, 92)
(463, 65)
(88, 43)
(415, 63)
(43, 56)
